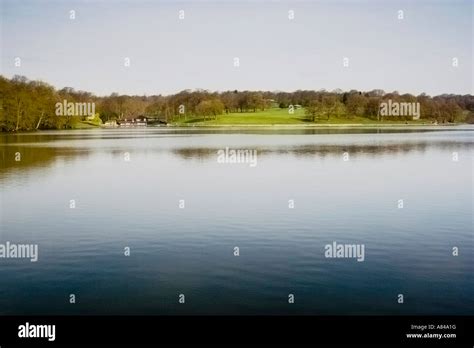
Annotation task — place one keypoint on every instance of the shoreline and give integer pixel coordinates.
(268, 126)
(328, 125)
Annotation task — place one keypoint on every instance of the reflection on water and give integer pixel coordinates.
(189, 250)
(38, 148)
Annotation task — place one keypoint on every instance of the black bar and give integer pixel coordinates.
(289, 330)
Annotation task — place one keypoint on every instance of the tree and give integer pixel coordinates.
(44, 106)
(372, 107)
(314, 110)
(208, 108)
(229, 99)
(28, 105)
(452, 111)
(356, 104)
(255, 101)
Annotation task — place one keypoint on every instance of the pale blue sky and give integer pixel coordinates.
(168, 54)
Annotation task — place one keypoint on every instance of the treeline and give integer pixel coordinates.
(29, 105)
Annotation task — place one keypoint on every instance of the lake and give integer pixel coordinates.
(235, 238)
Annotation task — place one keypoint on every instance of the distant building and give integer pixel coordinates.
(140, 121)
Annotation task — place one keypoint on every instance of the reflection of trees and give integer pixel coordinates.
(298, 131)
(43, 149)
(33, 157)
(322, 150)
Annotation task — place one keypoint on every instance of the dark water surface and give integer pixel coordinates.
(190, 251)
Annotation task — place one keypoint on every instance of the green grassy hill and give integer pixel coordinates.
(277, 116)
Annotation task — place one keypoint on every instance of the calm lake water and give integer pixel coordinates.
(190, 250)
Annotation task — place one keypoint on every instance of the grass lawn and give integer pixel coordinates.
(270, 116)
(277, 116)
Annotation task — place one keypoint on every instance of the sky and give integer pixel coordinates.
(168, 54)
